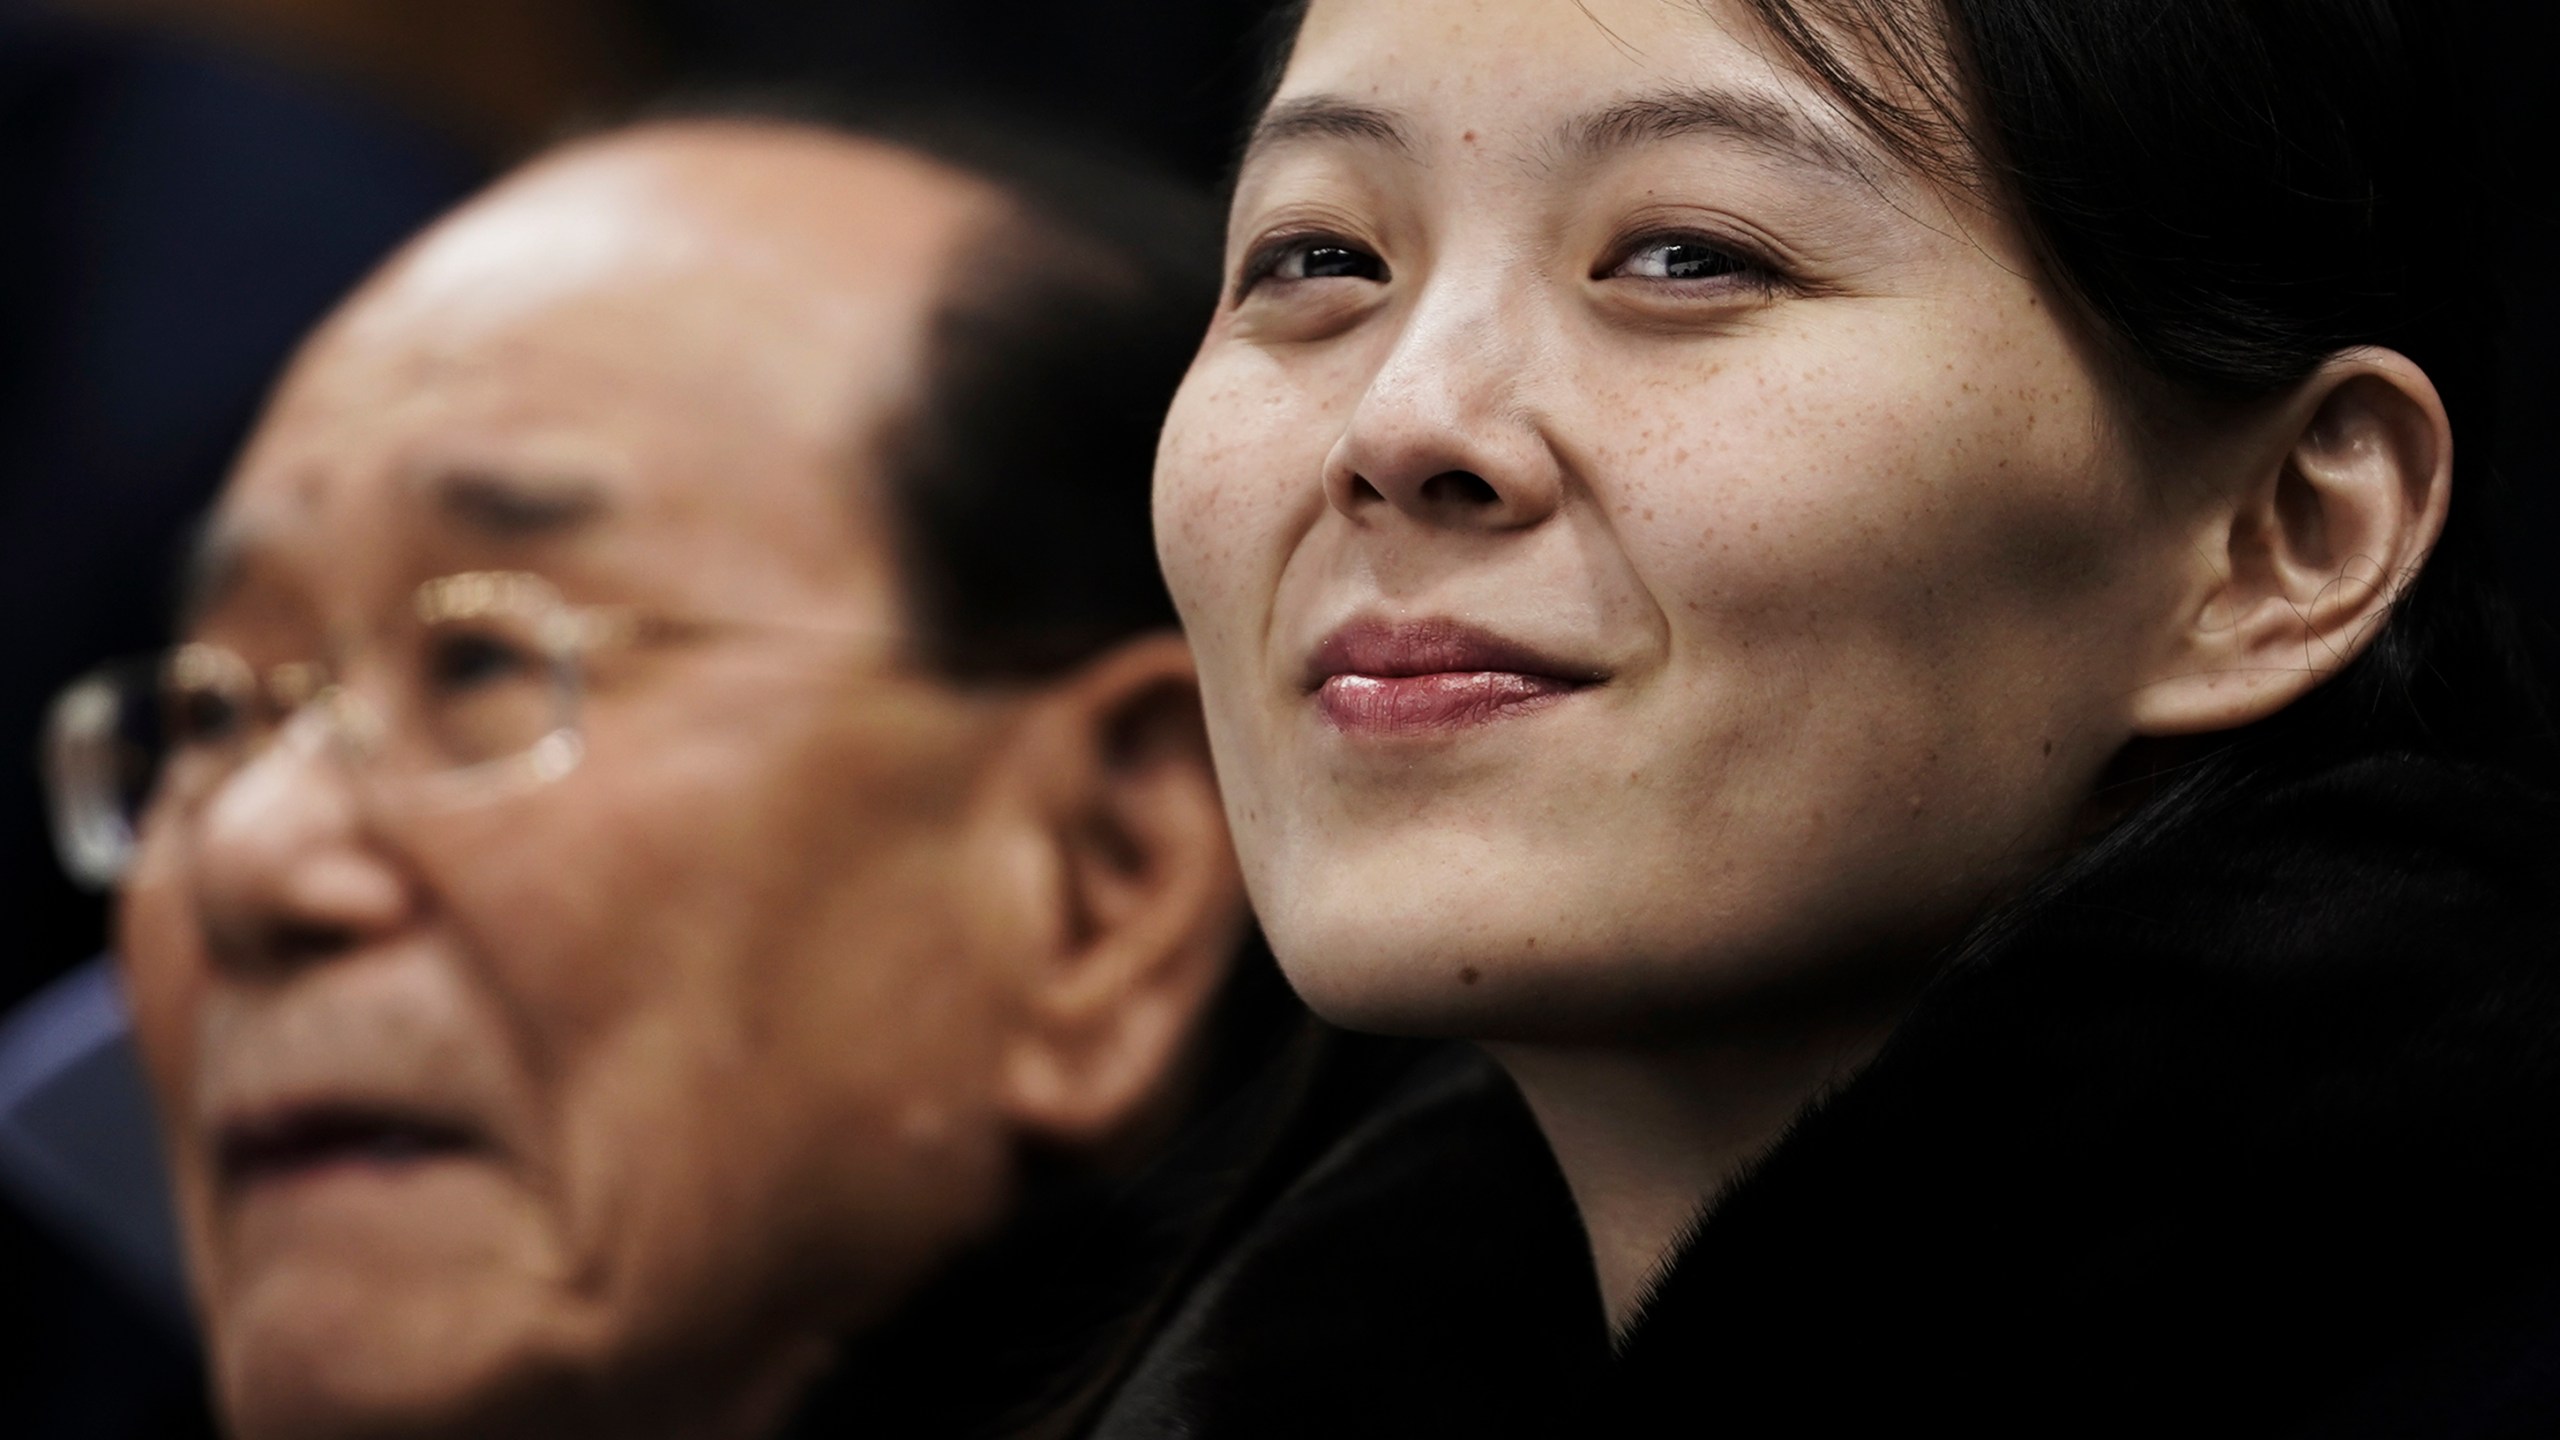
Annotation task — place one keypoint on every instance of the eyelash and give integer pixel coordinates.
(1741, 269)
(1737, 266)
(1267, 258)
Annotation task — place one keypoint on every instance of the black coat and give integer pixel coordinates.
(1419, 1273)
(2249, 1127)
(1365, 1238)
(2252, 1129)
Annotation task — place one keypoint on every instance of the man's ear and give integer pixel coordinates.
(2300, 559)
(1146, 908)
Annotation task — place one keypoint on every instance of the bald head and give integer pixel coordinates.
(640, 1079)
(700, 327)
(808, 249)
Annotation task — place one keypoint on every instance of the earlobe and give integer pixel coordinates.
(1149, 906)
(2302, 560)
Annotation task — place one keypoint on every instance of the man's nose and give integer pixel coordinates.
(1443, 434)
(288, 868)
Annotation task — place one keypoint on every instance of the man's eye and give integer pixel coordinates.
(1680, 259)
(459, 659)
(199, 715)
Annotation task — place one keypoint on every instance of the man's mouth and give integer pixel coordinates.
(305, 1140)
(1432, 675)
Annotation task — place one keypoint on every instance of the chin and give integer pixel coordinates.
(312, 1353)
(1444, 936)
(1459, 949)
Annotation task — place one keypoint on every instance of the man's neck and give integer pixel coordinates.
(1648, 1136)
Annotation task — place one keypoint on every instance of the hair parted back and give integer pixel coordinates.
(1018, 484)
(2229, 193)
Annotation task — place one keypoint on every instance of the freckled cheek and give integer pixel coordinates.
(1736, 498)
(1843, 490)
(1241, 457)
(1192, 495)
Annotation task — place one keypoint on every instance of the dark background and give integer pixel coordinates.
(186, 185)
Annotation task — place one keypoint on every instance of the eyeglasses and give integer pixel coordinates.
(472, 692)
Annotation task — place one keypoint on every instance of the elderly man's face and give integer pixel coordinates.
(483, 1109)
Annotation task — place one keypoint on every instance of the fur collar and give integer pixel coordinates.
(1369, 1239)
(1420, 1274)
(2254, 1129)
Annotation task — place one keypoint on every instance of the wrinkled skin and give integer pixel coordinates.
(721, 1013)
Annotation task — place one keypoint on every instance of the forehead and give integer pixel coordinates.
(1516, 66)
(684, 339)
(1532, 116)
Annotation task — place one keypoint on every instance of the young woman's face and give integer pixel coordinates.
(1643, 546)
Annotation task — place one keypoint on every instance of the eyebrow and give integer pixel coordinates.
(509, 507)
(494, 506)
(1761, 119)
(1325, 117)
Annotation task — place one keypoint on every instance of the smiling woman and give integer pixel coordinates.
(1873, 596)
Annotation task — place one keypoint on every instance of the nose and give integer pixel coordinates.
(288, 868)
(1443, 435)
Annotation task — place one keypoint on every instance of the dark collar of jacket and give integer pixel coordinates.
(2252, 1130)
(1367, 1238)
(1419, 1272)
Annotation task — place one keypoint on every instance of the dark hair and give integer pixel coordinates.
(2229, 192)
(1018, 485)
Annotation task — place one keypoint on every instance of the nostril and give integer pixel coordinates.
(1459, 488)
(1361, 489)
(275, 947)
(294, 944)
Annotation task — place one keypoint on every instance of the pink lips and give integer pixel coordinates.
(1434, 675)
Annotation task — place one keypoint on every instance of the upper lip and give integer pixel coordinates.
(1391, 649)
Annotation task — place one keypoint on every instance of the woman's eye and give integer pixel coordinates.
(1330, 262)
(1681, 259)
(1311, 259)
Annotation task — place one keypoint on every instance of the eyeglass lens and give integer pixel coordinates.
(481, 676)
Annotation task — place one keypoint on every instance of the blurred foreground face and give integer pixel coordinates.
(1642, 545)
(587, 1099)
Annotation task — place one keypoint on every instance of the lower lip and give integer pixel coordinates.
(1423, 704)
(365, 1212)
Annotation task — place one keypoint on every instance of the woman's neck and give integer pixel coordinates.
(1648, 1136)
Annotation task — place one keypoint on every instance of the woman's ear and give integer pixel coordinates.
(1147, 907)
(2301, 558)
